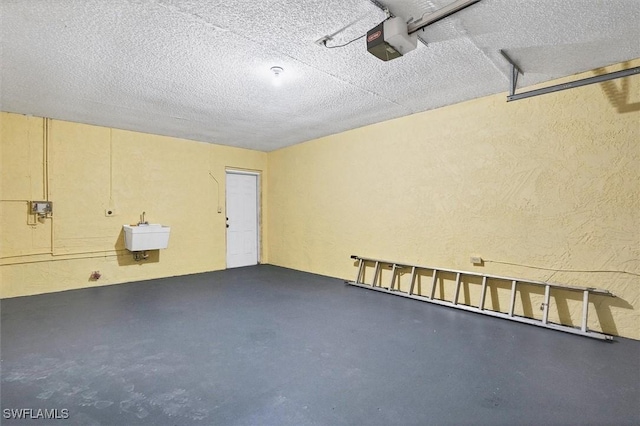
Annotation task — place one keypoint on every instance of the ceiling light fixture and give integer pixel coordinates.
(277, 79)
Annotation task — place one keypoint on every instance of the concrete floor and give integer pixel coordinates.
(271, 346)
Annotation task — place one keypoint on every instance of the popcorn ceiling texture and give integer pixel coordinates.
(200, 70)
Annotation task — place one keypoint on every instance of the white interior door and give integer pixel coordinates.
(242, 219)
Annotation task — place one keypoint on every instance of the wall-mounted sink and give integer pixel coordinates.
(146, 237)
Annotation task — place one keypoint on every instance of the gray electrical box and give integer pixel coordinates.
(42, 208)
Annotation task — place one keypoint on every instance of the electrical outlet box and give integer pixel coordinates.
(323, 40)
(109, 212)
(42, 208)
(476, 260)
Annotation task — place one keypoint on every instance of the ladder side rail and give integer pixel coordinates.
(502, 315)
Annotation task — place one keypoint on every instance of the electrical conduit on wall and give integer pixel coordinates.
(46, 195)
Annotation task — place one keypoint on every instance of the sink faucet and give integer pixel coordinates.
(142, 221)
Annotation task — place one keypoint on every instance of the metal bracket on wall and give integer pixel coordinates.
(515, 71)
(513, 76)
(140, 255)
(394, 288)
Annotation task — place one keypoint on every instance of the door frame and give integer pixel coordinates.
(258, 175)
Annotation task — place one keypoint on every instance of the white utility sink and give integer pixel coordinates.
(146, 237)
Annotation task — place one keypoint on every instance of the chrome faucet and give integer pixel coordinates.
(142, 221)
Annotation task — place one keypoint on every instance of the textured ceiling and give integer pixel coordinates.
(201, 69)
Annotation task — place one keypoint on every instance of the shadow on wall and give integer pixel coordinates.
(603, 307)
(601, 304)
(565, 306)
(128, 259)
(618, 92)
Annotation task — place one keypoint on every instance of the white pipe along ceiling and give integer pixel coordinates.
(203, 70)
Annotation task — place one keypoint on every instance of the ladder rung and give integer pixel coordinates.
(393, 277)
(433, 284)
(413, 279)
(512, 305)
(455, 298)
(484, 293)
(585, 309)
(376, 271)
(360, 270)
(545, 310)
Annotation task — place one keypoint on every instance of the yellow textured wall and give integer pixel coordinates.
(91, 169)
(551, 182)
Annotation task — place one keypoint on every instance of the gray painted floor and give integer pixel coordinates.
(271, 346)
